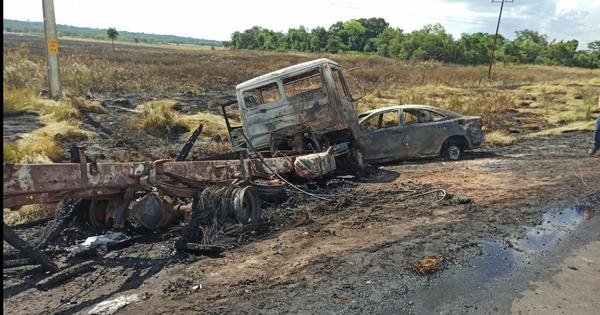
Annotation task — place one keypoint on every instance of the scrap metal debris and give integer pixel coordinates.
(94, 242)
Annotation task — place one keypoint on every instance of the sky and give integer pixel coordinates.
(218, 19)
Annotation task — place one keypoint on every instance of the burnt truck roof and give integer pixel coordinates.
(285, 71)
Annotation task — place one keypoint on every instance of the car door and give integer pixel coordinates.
(382, 137)
(423, 131)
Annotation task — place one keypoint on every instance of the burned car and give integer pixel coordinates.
(411, 131)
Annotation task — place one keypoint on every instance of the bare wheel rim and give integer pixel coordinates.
(453, 152)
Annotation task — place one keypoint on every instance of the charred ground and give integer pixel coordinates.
(353, 254)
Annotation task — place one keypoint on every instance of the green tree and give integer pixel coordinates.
(432, 42)
(389, 42)
(318, 39)
(334, 44)
(373, 27)
(476, 48)
(112, 33)
(589, 58)
(353, 35)
(298, 38)
(594, 46)
(527, 47)
(560, 53)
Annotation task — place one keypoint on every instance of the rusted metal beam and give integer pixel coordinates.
(25, 184)
(46, 183)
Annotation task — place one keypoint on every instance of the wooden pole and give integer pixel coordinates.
(51, 48)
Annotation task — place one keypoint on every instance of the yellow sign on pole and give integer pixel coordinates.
(53, 46)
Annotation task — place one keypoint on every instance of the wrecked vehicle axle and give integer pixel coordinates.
(49, 183)
(151, 192)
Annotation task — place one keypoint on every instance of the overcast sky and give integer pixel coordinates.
(217, 19)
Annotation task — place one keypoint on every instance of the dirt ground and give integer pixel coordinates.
(512, 215)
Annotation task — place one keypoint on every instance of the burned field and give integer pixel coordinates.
(418, 236)
(357, 252)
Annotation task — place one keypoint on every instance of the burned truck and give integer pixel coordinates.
(296, 122)
(300, 109)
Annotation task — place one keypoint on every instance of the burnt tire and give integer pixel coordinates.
(350, 163)
(67, 212)
(452, 150)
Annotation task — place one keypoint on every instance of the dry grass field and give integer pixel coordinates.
(520, 101)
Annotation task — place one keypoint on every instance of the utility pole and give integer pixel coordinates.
(51, 48)
(496, 36)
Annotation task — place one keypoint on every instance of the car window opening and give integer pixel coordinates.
(416, 116)
(381, 121)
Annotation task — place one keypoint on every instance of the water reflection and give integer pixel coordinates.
(555, 226)
(499, 259)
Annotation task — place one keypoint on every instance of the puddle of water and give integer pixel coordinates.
(498, 259)
(495, 261)
(489, 280)
(555, 226)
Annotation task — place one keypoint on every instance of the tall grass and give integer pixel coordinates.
(61, 122)
(158, 118)
(92, 67)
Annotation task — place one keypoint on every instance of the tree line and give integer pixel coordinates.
(98, 33)
(432, 42)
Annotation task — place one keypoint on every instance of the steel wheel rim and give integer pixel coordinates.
(453, 152)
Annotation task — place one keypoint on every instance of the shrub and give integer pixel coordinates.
(87, 106)
(158, 118)
(28, 213)
(499, 138)
(16, 100)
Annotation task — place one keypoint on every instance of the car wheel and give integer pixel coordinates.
(453, 152)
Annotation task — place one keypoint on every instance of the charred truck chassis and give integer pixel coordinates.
(151, 192)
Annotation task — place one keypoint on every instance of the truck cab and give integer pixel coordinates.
(300, 109)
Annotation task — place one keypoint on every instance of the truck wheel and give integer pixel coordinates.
(352, 162)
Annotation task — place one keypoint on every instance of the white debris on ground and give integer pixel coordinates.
(111, 306)
(97, 241)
